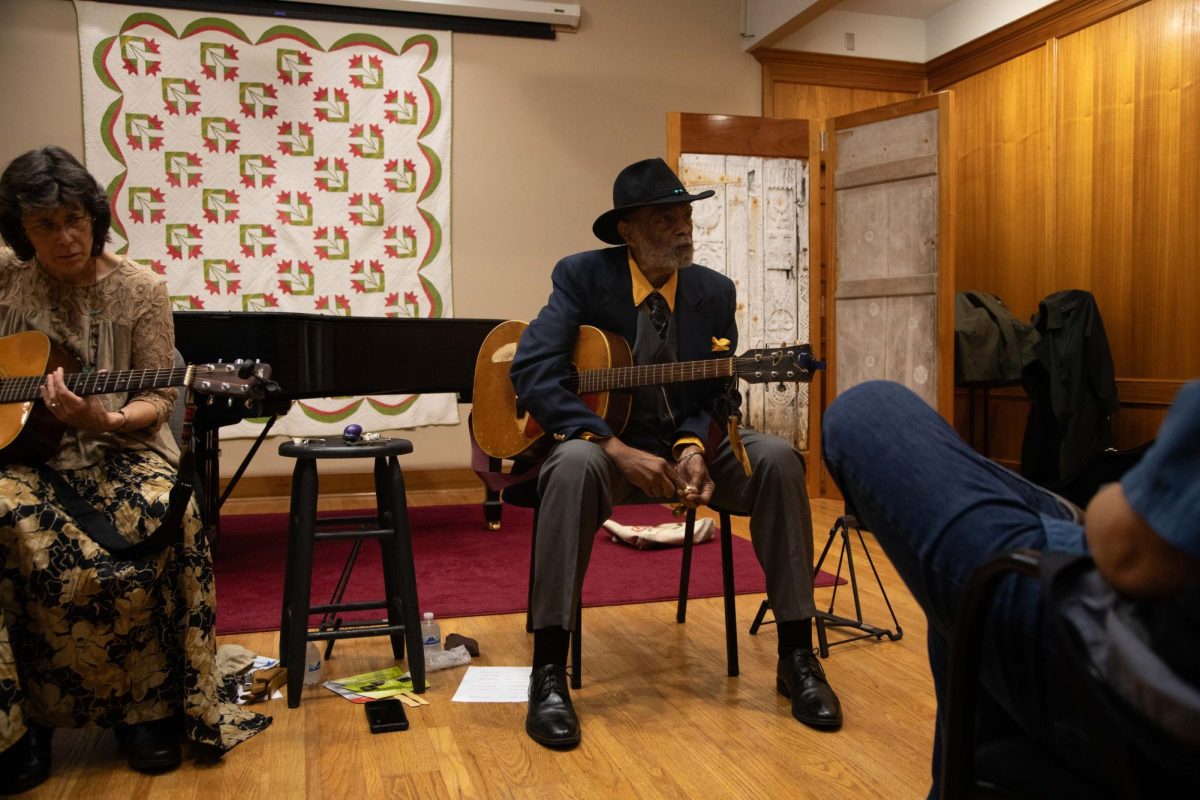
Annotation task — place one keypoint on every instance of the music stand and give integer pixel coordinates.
(828, 619)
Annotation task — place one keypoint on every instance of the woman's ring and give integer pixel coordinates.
(54, 405)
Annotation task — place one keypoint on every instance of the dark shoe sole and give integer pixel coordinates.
(168, 756)
(819, 723)
(565, 743)
(24, 783)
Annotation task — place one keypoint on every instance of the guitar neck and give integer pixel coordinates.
(604, 380)
(19, 390)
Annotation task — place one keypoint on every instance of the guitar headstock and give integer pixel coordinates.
(242, 378)
(783, 364)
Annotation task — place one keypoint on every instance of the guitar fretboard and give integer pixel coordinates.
(18, 390)
(603, 380)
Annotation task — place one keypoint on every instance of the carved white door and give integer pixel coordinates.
(756, 231)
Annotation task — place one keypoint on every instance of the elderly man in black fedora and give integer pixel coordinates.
(675, 445)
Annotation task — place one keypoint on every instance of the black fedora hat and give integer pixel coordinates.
(646, 183)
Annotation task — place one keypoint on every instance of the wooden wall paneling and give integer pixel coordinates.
(823, 102)
(1095, 157)
(760, 136)
(1019, 37)
(1004, 226)
(1076, 135)
(848, 72)
(1003, 152)
(1166, 194)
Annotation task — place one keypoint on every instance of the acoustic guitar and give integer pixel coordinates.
(30, 434)
(602, 371)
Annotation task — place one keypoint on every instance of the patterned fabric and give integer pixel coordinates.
(261, 164)
(87, 638)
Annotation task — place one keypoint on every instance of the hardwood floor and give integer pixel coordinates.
(660, 718)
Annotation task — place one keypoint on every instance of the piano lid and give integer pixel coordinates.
(320, 355)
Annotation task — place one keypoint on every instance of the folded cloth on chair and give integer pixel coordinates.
(668, 534)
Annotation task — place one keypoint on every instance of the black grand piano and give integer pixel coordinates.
(317, 355)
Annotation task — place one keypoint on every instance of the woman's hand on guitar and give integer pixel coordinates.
(694, 484)
(82, 413)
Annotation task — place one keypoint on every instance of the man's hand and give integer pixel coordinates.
(695, 484)
(653, 475)
(1134, 559)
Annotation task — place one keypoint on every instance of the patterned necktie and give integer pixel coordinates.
(657, 306)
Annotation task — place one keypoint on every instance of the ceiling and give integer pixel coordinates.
(913, 9)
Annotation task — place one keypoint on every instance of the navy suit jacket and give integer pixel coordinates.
(595, 288)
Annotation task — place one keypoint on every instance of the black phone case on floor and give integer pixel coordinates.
(386, 715)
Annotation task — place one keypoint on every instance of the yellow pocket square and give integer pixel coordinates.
(720, 345)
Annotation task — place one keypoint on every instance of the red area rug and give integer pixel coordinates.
(463, 569)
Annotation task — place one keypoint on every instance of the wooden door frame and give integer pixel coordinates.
(941, 102)
(770, 137)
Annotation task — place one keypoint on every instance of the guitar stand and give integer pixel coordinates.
(828, 619)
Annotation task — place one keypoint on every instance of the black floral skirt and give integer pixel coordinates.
(88, 638)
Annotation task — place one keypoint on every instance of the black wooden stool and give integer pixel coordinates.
(395, 542)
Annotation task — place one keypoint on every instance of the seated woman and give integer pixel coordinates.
(88, 637)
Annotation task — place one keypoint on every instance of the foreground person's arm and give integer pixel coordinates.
(1134, 559)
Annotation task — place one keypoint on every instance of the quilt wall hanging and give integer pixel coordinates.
(260, 166)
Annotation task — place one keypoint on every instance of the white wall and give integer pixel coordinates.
(880, 35)
(875, 36)
(540, 130)
(966, 20)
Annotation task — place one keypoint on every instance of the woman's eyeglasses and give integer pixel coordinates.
(49, 229)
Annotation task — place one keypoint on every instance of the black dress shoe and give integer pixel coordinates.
(801, 678)
(551, 719)
(27, 763)
(151, 747)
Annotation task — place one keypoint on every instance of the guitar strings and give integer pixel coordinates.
(14, 390)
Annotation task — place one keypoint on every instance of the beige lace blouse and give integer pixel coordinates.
(122, 321)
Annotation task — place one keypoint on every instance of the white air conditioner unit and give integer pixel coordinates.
(563, 15)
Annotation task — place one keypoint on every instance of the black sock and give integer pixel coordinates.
(795, 635)
(550, 646)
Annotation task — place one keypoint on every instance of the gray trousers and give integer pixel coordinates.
(579, 484)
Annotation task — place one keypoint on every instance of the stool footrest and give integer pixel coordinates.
(356, 630)
(358, 519)
(360, 605)
(373, 533)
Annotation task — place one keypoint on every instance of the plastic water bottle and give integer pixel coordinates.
(312, 664)
(431, 634)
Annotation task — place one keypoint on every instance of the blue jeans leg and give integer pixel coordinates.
(939, 510)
